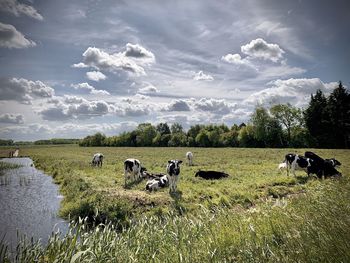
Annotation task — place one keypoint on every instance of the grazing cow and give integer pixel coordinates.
(157, 183)
(173, 173)
(296, 162)
(132, 169)
(209, 175)
(189, 157)
(321, 167)
(97, 160)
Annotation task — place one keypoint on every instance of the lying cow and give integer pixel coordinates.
(209, 175)
(97, 160)
(132, 169)
(157, 183)
(173, 173)
(334, 162)
(189, 157)
(322, 167)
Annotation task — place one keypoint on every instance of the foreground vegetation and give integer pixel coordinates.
(311, 228)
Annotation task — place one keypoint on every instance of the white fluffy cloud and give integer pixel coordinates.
(217, 106)
(259, 48)
(95, 75)
(148, 90)
(178, 105)
(11, 118)
(17, 9)
(11, 38)
(294, 91)
(23, 90)
(132, 60)
(202, 76)
(89, 88)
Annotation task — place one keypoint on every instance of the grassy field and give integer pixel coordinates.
(244, 217)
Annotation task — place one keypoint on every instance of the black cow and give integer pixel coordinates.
(321, 167)
(209, 175)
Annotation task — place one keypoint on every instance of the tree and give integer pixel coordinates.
(202, 139)
(339, 111)
(317, 120)
(176, 128)
(163, 128)
(145, 134)
(288, 116)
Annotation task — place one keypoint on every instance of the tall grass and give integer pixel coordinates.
(313, 227)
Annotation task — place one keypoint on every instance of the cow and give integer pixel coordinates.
(210, 175)
(189, 157)
(157, 183)
(296, 162)
(14, 153)
(132, 169)
(320, 167)
(97, 160)
(334, 162)
(173, 173)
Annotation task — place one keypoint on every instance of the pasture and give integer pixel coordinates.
(254, 177)
(257, 214)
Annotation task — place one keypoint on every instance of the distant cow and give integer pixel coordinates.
(157, 183)
(132, 169)
(14, 153)
(173, 173)
(296, 162)
(211, 174)
(97, 160)
(322, 167)
(189, 157)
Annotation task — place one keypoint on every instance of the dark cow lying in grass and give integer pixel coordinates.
(311, 163)
(210, 175)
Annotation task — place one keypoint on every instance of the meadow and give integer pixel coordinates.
(257, 214)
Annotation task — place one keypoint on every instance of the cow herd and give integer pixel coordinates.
(310, 162)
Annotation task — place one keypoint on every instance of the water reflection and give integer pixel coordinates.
(29, 202)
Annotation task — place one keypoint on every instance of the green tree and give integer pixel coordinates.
(163, 128)
(202, 139)
(145, 134)
(176, 128)
(288, 116)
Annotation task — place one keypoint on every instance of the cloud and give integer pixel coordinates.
(79, 65)
(202, 76)
(217, 106)
(294, 91)
(11, 118)
(95, 75)
(23, 90)
(259, 48)
(11, 38)
(132, 60)
(148, 90)
(17, 9)
(177, 105)
(89, 88)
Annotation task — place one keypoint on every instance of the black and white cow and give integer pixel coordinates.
(173, 173)
(132, 169)
(296, 162)
(97, 160)
(157, 183)
(211, 174)
(334, 162)
(320, 167)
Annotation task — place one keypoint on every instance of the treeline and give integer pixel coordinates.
(325, 123)
(39, 142)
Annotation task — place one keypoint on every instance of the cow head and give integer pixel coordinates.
(335, 162)
(173, 167)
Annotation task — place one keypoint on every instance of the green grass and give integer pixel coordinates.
(253, 178)
(5, 166)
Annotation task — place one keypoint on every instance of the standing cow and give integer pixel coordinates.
(173, 173)
(189, 157)
(296, 162)
(97, 160)
(132, 169)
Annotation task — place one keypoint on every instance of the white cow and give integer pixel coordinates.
(173, 174)
(189, 157)
(132, 169)
(97, 160)
(157, 183)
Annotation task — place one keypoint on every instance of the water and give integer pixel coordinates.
(29, 202)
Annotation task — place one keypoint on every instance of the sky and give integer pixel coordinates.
(73, 68)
